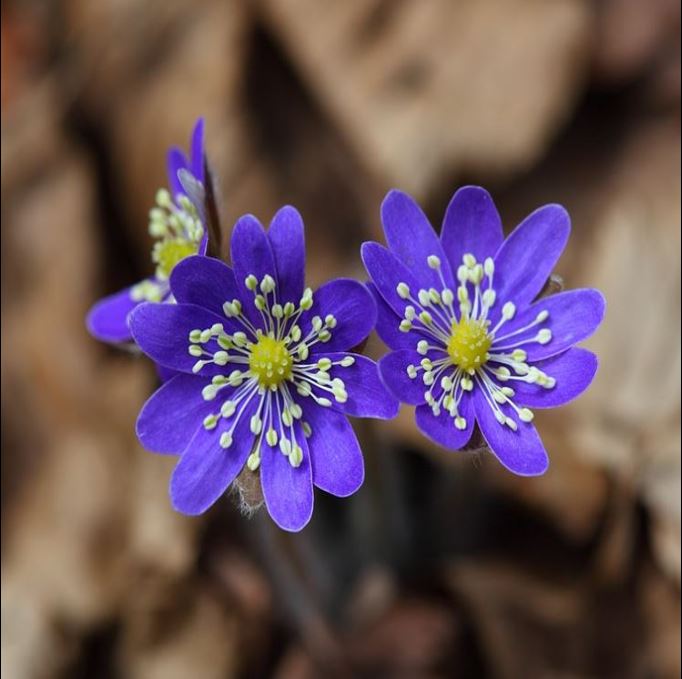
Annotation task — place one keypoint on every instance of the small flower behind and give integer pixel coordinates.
(267, 374)
(471, 345)
(177, 223)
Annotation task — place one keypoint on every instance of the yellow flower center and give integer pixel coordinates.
(270, 361)
(169, 252)
(469, 343)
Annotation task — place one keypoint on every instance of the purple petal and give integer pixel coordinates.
(387, 325)
(164, 373)
(197, 150)
(206, 282)
(162, 332)
(288, 490)
(108, 318)
(472, 225)
(352, 306)
(287, 241)
(386, 271)
(573, 317)
(573, 371)
(251, 255)
(441, 429)
(412, 239)
(335, 455)
(206, 469)
(173, 413)
(175, 160)
(520, 451)
(393, 370)
(367, 395)
(527, 258)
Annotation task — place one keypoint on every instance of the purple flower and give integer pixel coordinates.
(470, 344)
(267, 379)
(177, 222)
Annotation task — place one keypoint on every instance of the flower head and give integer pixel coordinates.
(470, 343)
(176, 222)
(268, 378)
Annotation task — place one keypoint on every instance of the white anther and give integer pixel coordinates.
(489, 297)
(296, 456)
(462, 274)
(289, 309)
(347, 361)
(253, 461)
(410, 313)
(542, 316)
(544, 336)
(285, 446)
(405, 325)
(489, 266)
(476, 275)
(462, 294)
(428, 378)
(221, 357)
(324, 336)
(210, 421)
(307, 430)
(295, 333)
(228, 408)
(307, 299)
(277, 311)
(267, 285)
(424, 298)
(508, 311)
(403, 290)
(467, 384)
(434, 295)
(433, 261)
(324, 402)
(526, 415)
(251, 282)
(447, 296)
(460, 423)
(411, 371)
(422, 347)
(195, 350)
(256, 424)
(217, 329)
(225, 440)
(446, 383)
(519, 355)
(303, 352)
(469, 260)
(426, 318)
(324, 363)
(511, 424)
(205, 336)
(239, 338)
(426, 364)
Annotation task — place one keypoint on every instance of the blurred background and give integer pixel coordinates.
(443, 565)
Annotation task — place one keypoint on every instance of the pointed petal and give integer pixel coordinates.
(520, 451)
(197, 150)
(206, 469)
(288, 490)
(251, 255)
(573, 317)
(386, 272)
(441, 429)
(527, 258)
(107, 320)
(176, 160)
(171, 416)
(573, 371)
(206, 282)
(412, 239)
(472, 225)
(335, 455)
(287, 241)
(393, 370)
(353, 308)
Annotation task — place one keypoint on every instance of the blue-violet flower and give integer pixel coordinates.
(267, 376)
(470, 343)
(178, 225)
